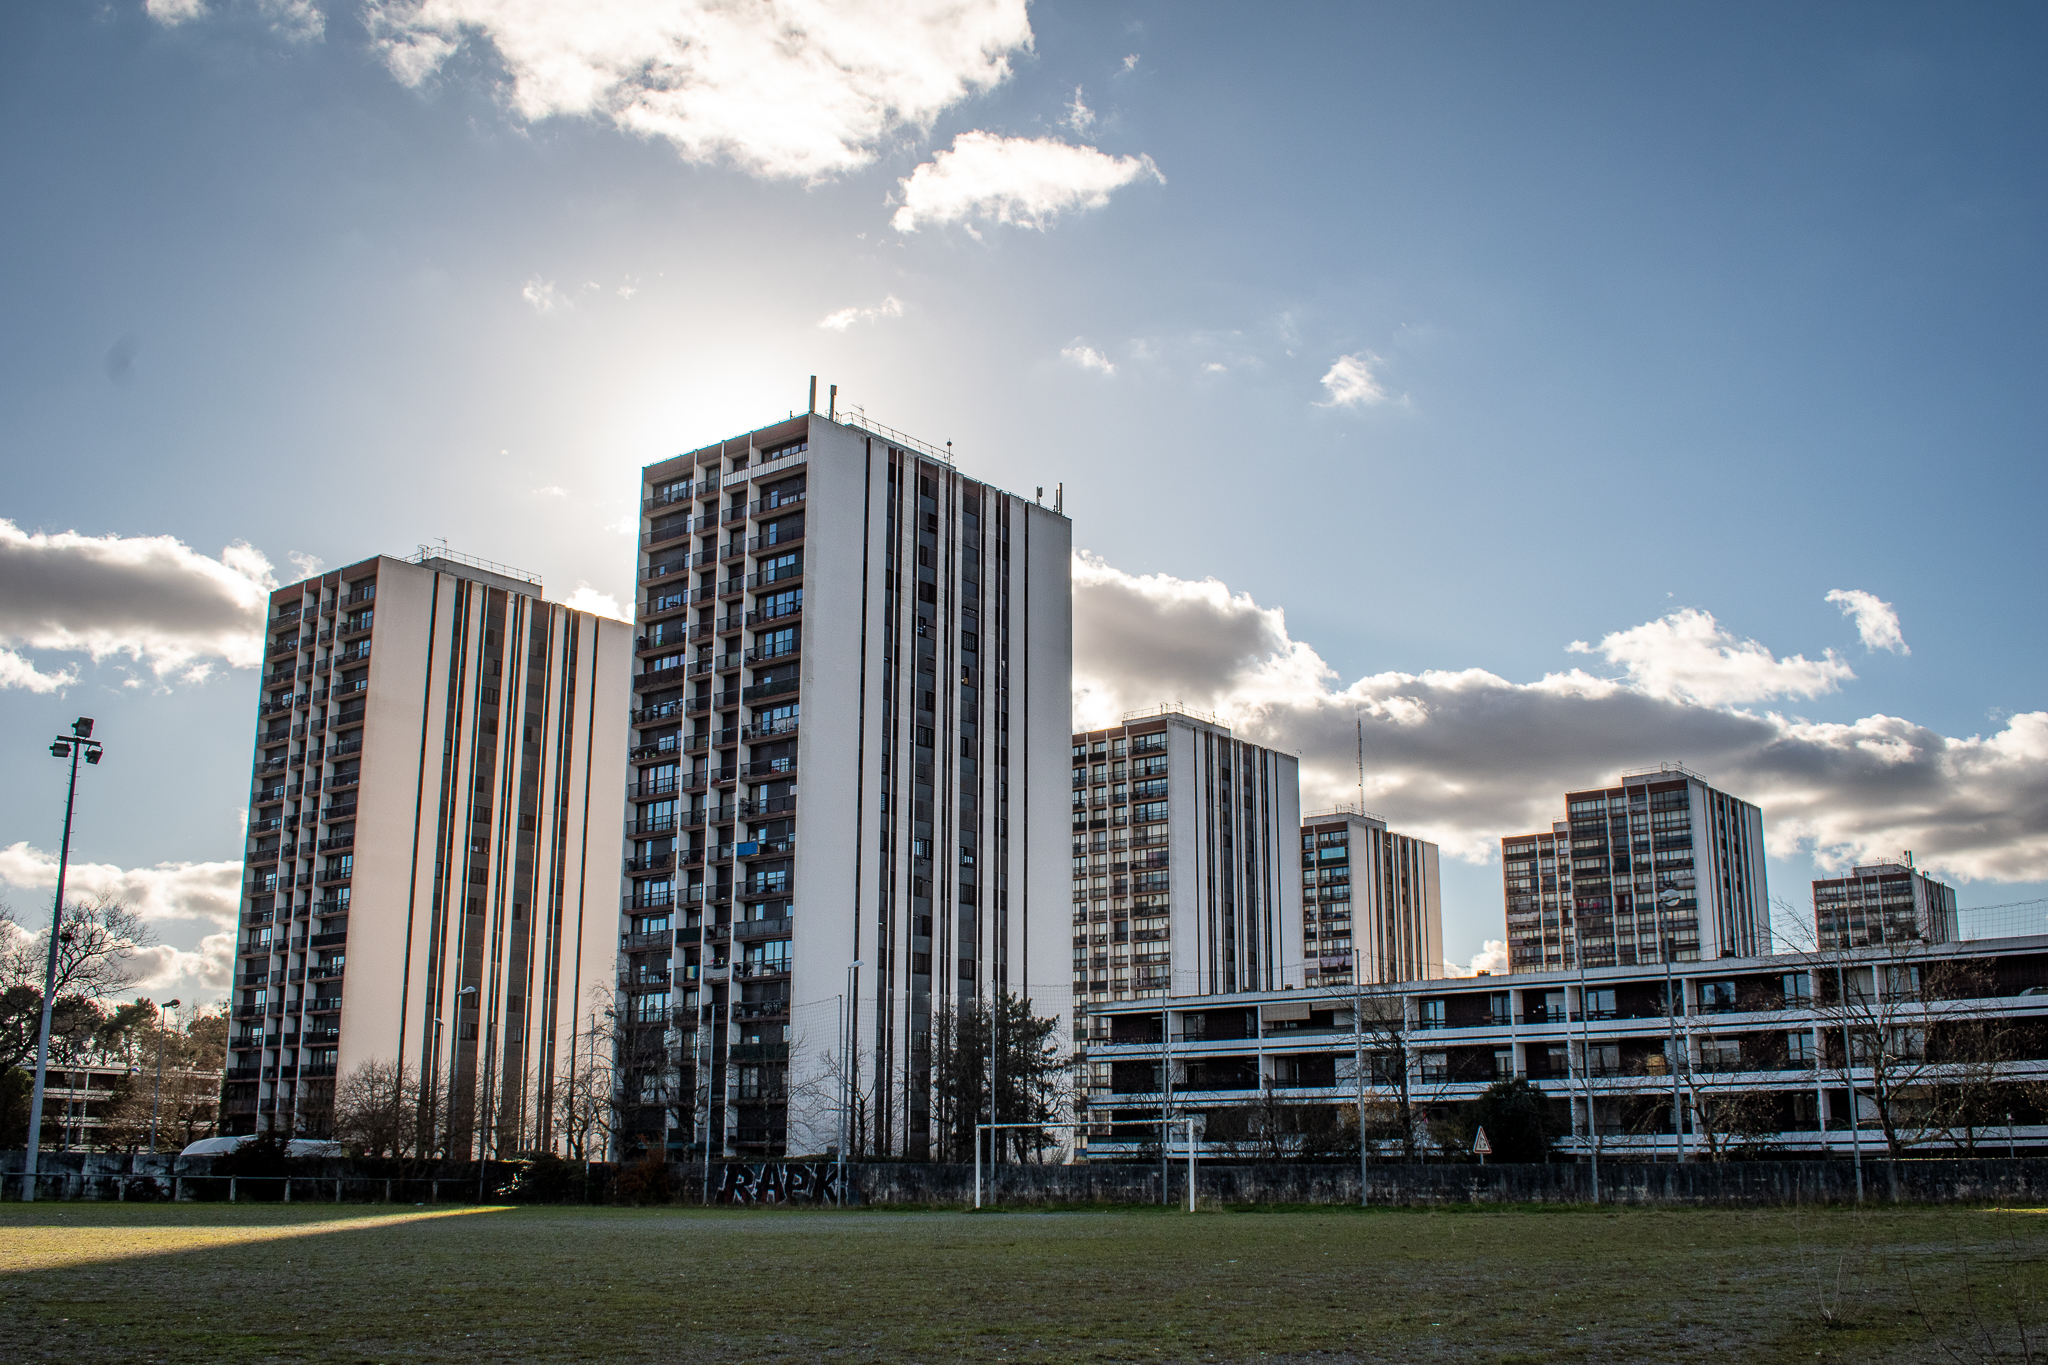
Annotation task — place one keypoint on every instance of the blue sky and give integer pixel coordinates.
(1659, 320)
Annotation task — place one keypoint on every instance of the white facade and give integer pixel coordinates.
(1662, 864)
(1371, 902)
(430, 883)
(1886, 902)
(854, 703)
(1185, 879)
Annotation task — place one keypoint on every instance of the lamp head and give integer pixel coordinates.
(60, 749)
(172, 1004)
(82, 727)
(92, 756)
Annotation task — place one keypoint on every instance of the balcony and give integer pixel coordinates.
(337, 843)
(770, 767)
(654, 573)
(729, 698)
(355, 653)
(762, 654)
(330, 905)
(345, 748)
(773, 805)
(659, 862)
(658, 939)
(662, 535)
(754, 734)
(667, 710)
(278, 707)
(784, 573)
(343, 780)
(660, 604)
(269, 795)
(732, 587)
(659, 824)
(354, 717)
(763, 544)
(669, 497)
(344, 811)
(762, 615)
(326, 1004)
(756, 971)
(649, 791)
(671, 676)
(348, 689)
(769, 689)
(330, 940)
(763, 506)
(763, 928)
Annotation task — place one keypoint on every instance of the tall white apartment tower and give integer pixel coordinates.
(852, 703)
(1372, 905)
(1185, 878)
(429, 882)
(1661, 865)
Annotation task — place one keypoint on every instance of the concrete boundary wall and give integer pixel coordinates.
(1741, 1184)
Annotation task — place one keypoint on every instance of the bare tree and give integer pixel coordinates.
(187, 1107)
(586, 1089)
(95, 955)
(1385, 1029)
(1880, 1008)
(376, 1109)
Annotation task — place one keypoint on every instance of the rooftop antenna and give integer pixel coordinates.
(1059, 498)
(832, 405)
(1361, 764)
(814, 396)
(1041, 495)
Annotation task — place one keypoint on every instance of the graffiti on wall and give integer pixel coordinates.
(781, 1182)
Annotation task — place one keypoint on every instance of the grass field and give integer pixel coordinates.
(109, 1282)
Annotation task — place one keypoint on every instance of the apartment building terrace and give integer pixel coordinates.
(1784, 1041)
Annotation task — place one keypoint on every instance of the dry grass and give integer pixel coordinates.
(82, 1282)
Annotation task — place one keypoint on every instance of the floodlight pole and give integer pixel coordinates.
(156, 1097)
(64, 746)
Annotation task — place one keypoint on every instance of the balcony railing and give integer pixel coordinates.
(647, 715)
(769, 689)
(761, 614)
(753, 734)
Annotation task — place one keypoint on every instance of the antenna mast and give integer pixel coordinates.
(1361, 765)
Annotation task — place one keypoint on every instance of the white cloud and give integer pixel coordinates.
(1215, 367)
(544, 297)
(298, 20)
(1352, 384)
(553, 490)
(1079, 115)
(1131, 62)
(1876, 621)
(587, 598)
(151, 598)
(1492, 958)
(1464, 757)
(1687, 656)
(168, 891)
(304, 565)
(16, 671)
(196, 976)
(1088, 358)
(1024, 181)
(889, 307)
(781, 88)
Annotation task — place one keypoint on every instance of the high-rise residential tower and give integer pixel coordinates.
(1886, 902)
(1185, 880)
(429, 882)
(1369, 897)
(1660, 864)
(852, 698)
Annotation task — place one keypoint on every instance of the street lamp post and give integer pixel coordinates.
(156, 1097)
(847, 1068)
(78, 743)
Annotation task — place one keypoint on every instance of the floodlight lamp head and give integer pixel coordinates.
(82, 727)
(60, 750)
(92, 756)
(1669, 896)
(172, 1004)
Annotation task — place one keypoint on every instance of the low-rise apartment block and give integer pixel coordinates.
(1945, 1046)
(1371, 904)
(1886, 902)
(1660, 865)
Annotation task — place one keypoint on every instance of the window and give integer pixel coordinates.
(1432, 1013)
(1600, 1003)
(1798, 988)
(1155, 810)
(1799, 1048)
(1717, 997)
